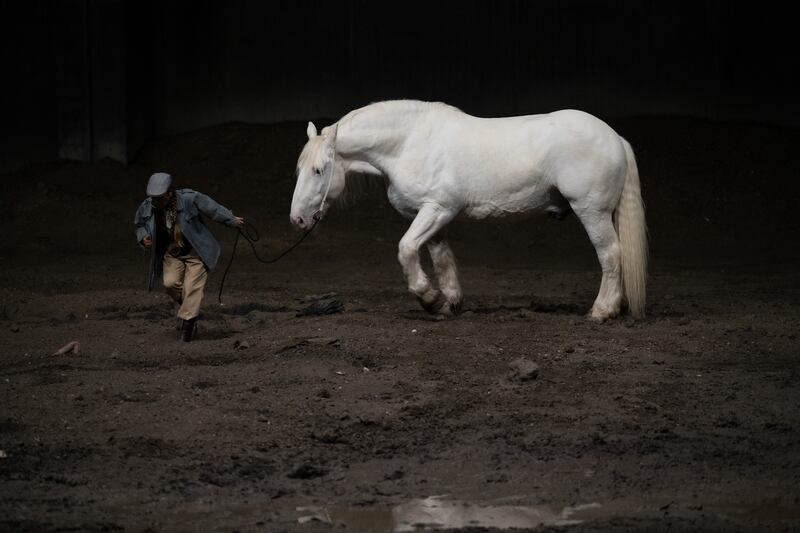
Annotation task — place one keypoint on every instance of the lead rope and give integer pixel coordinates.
(251, 235)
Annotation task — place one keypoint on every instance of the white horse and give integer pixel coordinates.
(441, 163)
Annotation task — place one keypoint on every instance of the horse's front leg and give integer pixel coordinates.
(444, 262)
(428, 222)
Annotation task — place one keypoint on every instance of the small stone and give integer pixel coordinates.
(524, 369)
(525, 313)
(70, 347)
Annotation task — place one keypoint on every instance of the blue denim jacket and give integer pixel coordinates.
(191, 204)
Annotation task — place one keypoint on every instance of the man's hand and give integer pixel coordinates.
(147, 241)
(239, 221)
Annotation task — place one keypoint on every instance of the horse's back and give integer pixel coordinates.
(488, 167)
(524, 137)
(524, 157)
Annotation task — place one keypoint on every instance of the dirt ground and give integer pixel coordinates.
(379, 417)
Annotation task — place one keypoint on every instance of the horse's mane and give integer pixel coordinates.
(360, 186)
(310, 151)
(404, 106)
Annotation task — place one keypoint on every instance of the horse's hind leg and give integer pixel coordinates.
(444, 262)
(428, 222)
(600, 227)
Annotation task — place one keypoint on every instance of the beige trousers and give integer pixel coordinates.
(185, 280)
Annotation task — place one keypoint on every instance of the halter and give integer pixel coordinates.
(317, 216)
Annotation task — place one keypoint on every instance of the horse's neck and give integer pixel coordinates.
(374, 136)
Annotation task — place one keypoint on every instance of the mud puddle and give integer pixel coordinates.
(436, 512)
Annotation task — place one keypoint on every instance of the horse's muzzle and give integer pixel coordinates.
(298, 222)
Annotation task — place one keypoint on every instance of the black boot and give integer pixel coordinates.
(188, 329)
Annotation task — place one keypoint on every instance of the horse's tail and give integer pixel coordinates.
(632, 230)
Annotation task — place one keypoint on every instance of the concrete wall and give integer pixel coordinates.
(97, 78)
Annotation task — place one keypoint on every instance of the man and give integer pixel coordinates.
(169, 222)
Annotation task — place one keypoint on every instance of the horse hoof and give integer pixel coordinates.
(432, 303)
(599, 317)
(448, 309)
(451, 308)
(596, 319)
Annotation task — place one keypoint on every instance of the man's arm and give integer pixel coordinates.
(217, 212)
(140, 221)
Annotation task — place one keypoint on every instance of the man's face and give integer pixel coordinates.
(160, 202)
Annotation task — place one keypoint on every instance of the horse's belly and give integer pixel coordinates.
(404, 202)
(517, 204)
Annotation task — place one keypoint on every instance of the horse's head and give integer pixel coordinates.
(320, 177)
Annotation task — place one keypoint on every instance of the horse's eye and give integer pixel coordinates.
(317, 171)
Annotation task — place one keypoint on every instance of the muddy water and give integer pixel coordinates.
(441, 513)
(436, 512)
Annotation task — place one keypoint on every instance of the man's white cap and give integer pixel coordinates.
(159, 184)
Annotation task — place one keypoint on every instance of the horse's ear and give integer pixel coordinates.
(311, 131)
(330, 133)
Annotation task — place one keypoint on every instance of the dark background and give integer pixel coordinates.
(87, 79)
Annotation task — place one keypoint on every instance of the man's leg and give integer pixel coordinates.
(174, 271)
(194, 282)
